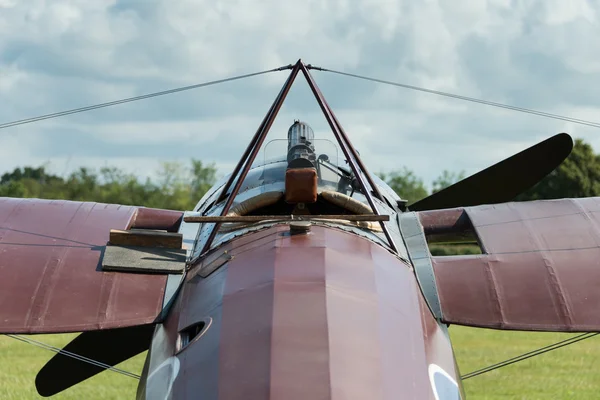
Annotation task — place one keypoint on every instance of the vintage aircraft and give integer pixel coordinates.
(299, 277)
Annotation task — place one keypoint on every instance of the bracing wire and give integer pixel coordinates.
(406, 86)
(530, 354)
(471, 99)
(136, 98)
(73, 355)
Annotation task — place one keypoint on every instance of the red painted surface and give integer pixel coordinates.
(326, 315)
(50, 255)
(541, 270)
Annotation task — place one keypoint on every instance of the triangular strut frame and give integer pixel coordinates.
(257, 141)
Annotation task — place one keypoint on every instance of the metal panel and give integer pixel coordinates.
(418, 251)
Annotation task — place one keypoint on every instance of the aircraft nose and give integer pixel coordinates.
(323, 314)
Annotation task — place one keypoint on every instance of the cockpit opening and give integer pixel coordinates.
(299, 175)
(302, 183)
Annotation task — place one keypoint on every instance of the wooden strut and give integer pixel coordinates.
(258, 218)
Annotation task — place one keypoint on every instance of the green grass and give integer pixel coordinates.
(20, 362)
(572, 372)
(453, 249)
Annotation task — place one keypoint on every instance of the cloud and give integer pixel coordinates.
(63, 54)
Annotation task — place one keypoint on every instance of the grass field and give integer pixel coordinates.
(572, 372)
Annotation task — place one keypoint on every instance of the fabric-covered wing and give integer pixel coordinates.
(50, 258)
(540, 269)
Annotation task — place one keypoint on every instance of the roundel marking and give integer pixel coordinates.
(444, 386)
(160, 382)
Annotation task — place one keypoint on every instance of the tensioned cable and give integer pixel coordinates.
(136, 98)
(530, 354)
(471, 99)
(437, 92)
(73, 355)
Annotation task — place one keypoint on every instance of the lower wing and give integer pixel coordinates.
(51, 279)
(539, 268)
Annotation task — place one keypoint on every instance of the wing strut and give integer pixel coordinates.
(349, 151)
(245, 162)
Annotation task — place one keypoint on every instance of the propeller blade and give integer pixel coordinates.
(110, 346)
(503, 181)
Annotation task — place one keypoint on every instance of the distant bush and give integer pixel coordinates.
(453, 249)
(178, 187)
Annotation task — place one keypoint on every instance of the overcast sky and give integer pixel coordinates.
(59, 54)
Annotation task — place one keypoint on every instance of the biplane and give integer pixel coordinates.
(300, 276)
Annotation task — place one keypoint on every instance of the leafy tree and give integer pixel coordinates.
(178, 187)
(37, 174)
(410, 187)
(203, 178)
(447, 179)
(406, 184)
(13, 189)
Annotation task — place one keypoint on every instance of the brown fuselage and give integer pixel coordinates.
(320, 315)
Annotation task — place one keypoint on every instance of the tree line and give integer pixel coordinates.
(180, 186)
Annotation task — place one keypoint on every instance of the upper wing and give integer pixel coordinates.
(50, 258)
(540, 267)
